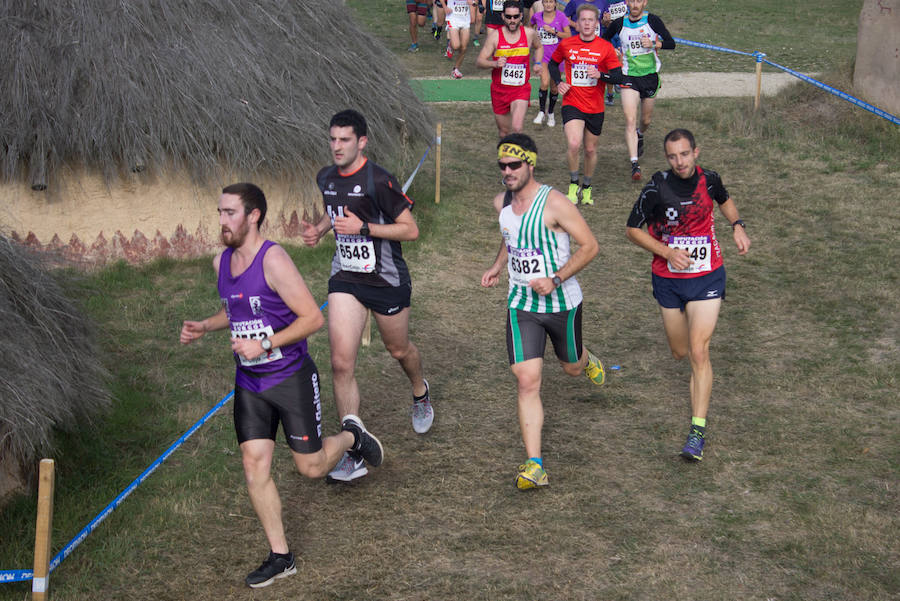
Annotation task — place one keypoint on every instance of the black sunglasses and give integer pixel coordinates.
(512, 17)
(510, 165)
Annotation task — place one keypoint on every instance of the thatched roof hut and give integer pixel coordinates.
(51, 376)
(120, 121)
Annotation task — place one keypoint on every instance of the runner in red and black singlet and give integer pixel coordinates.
(687, 272)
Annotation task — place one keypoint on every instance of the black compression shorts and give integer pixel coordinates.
(296, 403)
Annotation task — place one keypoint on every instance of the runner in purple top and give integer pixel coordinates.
(552, 25)
(270, 312)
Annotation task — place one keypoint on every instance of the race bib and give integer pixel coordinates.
(461, 9)
(357, 253)
(634, 44)
(253, 330)
(547, 38)
(698, 248)
(513, 75)
(497, 5)
(580, 77)
(525, 264)
(617, 10)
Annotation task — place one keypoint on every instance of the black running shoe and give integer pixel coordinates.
(273, 567)
(367, 446)
(635, 172)
(640, 144)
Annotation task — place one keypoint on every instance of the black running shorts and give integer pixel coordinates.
(296, 403)
(593, 122)
(526, 334)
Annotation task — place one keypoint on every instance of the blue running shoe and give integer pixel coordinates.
(693, 447)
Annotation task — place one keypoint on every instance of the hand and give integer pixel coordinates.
(349, 224)
(679, 259)
(490, 278)
(309, 233)
(248, 348)
(646, 42)
(542, 286)
(537, 68)
(191, 331)
(563, 87)
(501, 62)
(741, 239)
(594, 72)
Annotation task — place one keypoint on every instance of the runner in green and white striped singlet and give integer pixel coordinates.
(536, 251)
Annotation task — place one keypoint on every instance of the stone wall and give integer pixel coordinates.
(876, 76)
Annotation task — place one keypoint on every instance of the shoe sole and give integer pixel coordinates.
(523, 483)
(355, 475)
(265, 583)
(691, 457)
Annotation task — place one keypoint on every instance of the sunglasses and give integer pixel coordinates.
(512, 17)
(513, 165)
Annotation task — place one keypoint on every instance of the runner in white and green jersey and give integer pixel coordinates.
(642, 35)
(537, 224)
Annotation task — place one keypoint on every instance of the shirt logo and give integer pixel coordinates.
(256, 305)
(357, 188)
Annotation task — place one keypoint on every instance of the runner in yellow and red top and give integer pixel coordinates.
(589, 60)
(508, 52)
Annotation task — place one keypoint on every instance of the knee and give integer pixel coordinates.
(256, 469)
(679, 353)
(400, 353)
(590, 152)
(342, 364)
(528, 384)
(699, 354)
(311, 469)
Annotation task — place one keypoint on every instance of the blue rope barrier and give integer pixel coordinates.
(416, 170)
(760, 58)
(24, 575)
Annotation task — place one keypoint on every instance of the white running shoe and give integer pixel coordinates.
(456, 74)
(422, 412)
(349, 468)
(551, 120)
(539, 119)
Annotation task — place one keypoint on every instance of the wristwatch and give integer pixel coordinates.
(364, 230)
(266, 344)
(739, 222)
(556, 280)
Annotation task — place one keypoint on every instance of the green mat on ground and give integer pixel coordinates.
(459, 90)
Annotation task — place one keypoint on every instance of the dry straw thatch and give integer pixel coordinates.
(50, 372)
(200, 85)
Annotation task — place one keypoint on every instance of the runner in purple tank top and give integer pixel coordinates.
(270, 313)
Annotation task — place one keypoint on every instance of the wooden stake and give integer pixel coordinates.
(758, 85)
(40, 584)
(437, 165)
(367, 330)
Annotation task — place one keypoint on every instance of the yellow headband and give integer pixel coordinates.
(517, 152)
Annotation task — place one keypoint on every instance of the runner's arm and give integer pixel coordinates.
(729, 210)
(485, 58)
(492, 275)
(311, 233)
(562, 214)
(678, 257)
(404, 228)
(192, 330)
(665, 39)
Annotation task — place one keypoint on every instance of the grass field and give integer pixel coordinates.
(797, 497)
